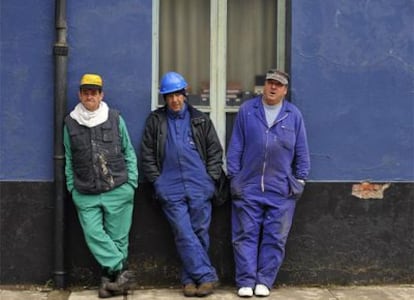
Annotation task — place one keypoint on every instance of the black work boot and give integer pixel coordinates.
(103, 292)
(123, 282)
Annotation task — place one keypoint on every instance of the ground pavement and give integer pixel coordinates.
(387, 292)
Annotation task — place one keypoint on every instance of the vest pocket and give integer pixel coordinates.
(107, 136)
(79, 141)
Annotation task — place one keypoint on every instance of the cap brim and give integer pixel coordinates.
(277, 77)
(91, 87)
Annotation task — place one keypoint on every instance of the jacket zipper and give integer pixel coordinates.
(265, 156)
(265, 159)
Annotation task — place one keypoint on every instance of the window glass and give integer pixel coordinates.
(251, 47)
(184, 45)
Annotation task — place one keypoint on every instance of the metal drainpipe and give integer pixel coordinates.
(60, 51)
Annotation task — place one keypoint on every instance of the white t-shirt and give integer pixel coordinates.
(271, 112)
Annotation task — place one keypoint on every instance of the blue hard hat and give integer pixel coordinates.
(172, 82)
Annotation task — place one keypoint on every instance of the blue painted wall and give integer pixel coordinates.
(352, 65)
(112, 38)
(353, 78)
(26, 90)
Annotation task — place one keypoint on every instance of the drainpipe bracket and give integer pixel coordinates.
(60, 50)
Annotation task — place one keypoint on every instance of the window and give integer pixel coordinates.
(222, 48)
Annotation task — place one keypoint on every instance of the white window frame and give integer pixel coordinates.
(218, 51)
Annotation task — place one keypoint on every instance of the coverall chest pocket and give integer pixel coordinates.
(190, 141)
(287, 136)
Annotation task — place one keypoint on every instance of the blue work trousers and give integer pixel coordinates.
(259, 233)
(190, 221)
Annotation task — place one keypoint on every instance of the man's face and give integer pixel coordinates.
(90, 98)
(175, 101)
(274, 92)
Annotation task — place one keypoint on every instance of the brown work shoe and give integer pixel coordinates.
(190, 290)
(206, 288)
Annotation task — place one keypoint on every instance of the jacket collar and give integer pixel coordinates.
(195, 115)
(259, 110)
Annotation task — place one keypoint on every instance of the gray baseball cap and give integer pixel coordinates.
(277, 75)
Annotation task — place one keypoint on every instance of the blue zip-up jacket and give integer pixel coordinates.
(266, 161)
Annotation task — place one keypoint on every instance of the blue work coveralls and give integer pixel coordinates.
(183, 181)
(264, 164)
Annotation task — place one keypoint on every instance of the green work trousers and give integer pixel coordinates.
(106, 220)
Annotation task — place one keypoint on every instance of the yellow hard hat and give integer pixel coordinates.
(91, 81)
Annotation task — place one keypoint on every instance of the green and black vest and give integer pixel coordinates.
(98, 162)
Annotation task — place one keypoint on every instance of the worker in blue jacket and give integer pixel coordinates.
(268, 163)
(181, 156)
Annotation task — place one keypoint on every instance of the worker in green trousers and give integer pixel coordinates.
(101, 174)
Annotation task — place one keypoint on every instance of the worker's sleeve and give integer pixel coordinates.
(68, 160)
(129, 153)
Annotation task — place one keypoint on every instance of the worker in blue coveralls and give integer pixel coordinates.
(101, 174)
(268, 163)
(181, 156)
